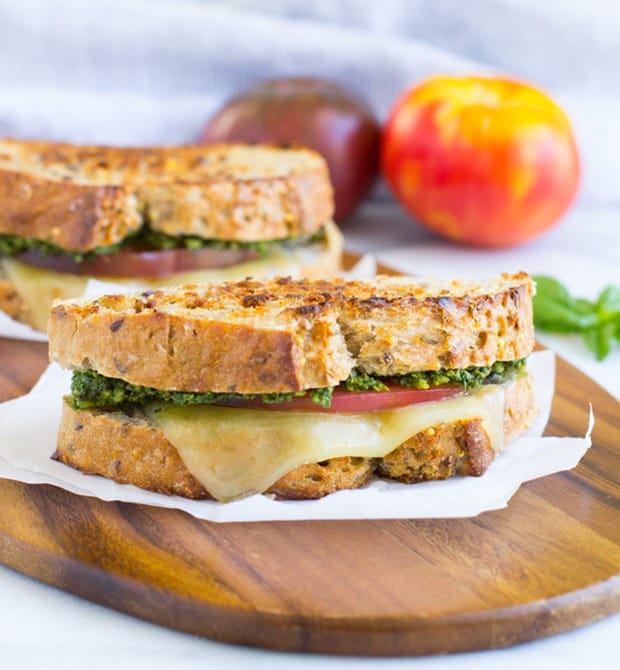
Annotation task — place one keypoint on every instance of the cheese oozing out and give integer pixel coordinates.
(39, 287)
(236, 452)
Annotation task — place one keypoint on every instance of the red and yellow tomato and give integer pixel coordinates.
(143, 263)
(357, 401)
(482, 161)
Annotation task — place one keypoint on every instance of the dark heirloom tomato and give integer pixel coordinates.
(355, 402)
(315, 113)
(136, 263)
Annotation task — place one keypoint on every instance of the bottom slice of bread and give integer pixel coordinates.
(128, 449)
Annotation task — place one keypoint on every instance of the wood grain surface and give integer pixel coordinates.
(547, 563)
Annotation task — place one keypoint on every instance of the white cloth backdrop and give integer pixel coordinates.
(151, 71)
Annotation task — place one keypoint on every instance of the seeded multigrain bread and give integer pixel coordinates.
(82, 197)
(291, 335)
(129, 449)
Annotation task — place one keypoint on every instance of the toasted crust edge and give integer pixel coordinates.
(381, 337)
(199, 355)
(163, 185)
(130, 450)
(74, 217)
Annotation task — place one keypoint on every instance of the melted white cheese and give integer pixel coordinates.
(236, 452)
(38, 288)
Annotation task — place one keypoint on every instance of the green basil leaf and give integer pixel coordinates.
(599, 339)
(583, 306)
(557, 311)
(558, 317)
(608, 303)
(552, 288)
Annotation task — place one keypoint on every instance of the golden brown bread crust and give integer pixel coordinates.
(288, 335)
(130, 450)
(127, 449)
(161, 349)
(81, 197)
(439, 452)
(450, 325)
(71, 216)
(316, 480)
(265, 208)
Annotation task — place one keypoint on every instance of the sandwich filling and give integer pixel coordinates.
(218, 434)
(89, 389)
(147, 253)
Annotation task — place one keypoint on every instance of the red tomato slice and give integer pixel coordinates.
(356, 402)
(136, 263)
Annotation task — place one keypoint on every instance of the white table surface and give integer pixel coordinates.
(42, 627)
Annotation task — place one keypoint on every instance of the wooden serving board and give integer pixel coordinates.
(547, 563)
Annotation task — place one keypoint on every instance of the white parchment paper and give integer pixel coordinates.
(19, 331)
(28, 436)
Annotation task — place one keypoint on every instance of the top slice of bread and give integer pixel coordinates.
(83, 197)
(289, 335)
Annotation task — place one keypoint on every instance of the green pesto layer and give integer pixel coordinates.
(146, 240)
(91, 390)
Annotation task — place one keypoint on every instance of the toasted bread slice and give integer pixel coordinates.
(290, 335)
(131, 450)
(80, 197)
